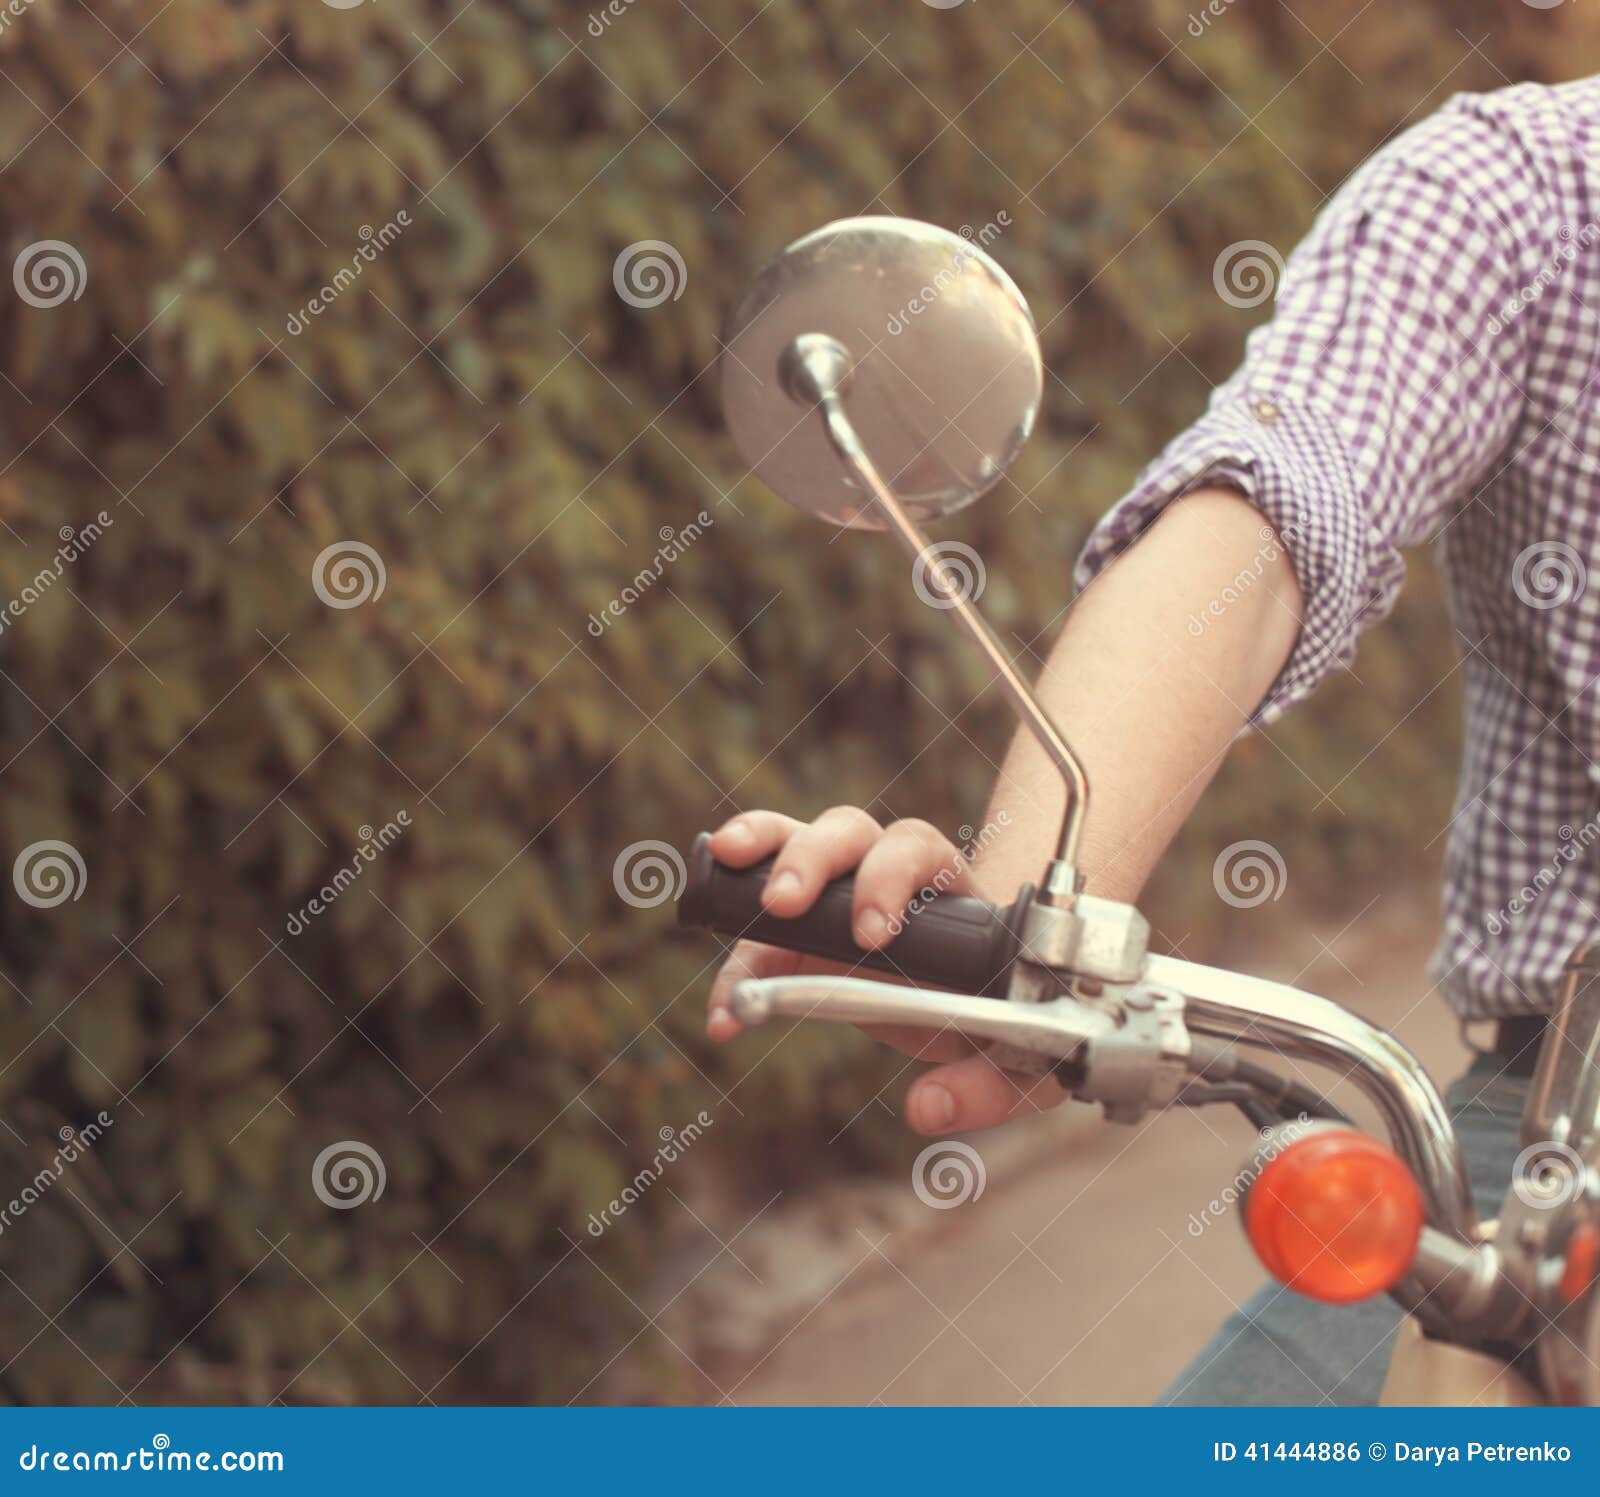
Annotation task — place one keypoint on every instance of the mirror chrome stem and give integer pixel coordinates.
(816, 370)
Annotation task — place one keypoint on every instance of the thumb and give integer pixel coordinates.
(976, 1093)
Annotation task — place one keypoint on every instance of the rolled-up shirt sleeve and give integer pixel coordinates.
(1387, 387)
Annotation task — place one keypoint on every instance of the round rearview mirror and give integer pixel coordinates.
(943, 379)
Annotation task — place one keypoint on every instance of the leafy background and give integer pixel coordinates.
(510, 436)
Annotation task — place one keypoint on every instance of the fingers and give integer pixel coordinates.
(975, 1093)
(748, 837)
(833, 844)
(747, 959)
(909, 857)
(894, 866)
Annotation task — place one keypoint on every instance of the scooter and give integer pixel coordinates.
(882, 372)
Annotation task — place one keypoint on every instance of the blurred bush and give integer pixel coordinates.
(476, 418)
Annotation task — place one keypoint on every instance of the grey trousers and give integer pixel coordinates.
(1281, 1348)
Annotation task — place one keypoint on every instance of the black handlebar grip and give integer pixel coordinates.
(949, 941)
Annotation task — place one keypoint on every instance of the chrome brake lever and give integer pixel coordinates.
(1130, 1055)
(1054, 1030)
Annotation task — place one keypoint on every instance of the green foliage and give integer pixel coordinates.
(482, 409)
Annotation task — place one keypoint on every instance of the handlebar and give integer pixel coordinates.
(1160, 1032)
(947, 941)
(964, 946)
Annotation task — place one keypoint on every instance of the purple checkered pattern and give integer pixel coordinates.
(1432, 373)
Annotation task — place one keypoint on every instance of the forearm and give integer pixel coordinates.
(1151, 679)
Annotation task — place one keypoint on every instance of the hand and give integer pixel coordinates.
(892, 864)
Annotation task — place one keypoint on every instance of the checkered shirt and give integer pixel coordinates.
(1431, 372)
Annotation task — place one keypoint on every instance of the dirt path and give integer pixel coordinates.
(1078, 1276)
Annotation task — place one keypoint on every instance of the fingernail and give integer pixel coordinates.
(933, 1109)
(872, 929)
(780, 884)
(733, 831)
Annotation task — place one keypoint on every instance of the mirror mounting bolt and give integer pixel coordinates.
(1061, 886)
(814, 369)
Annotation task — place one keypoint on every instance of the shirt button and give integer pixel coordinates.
(1266, 412)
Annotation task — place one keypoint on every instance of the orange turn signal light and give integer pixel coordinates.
(1582, 1262)
(1336, 1216)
